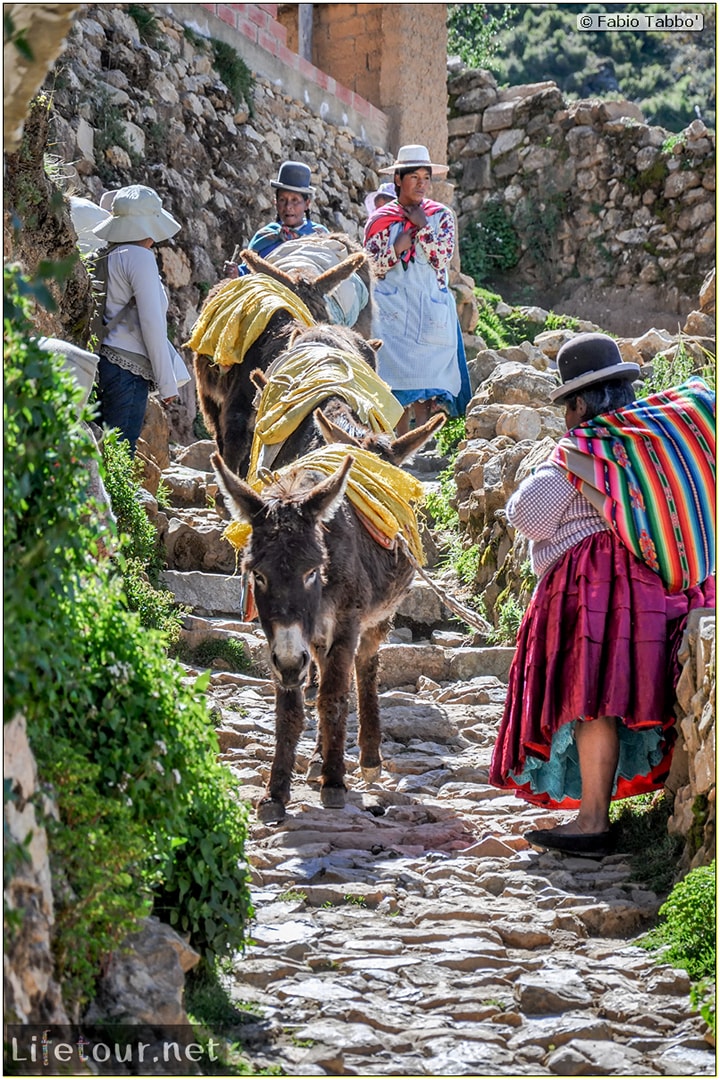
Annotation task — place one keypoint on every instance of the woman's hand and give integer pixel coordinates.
(169, 400)
(230, 270)
(416, 216)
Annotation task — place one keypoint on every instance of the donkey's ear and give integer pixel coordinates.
(324, 500)
(245, 503)
(258, 265)
(375, 343)
(403, 448)
(332, 433)
(327, 281)
(258, 378)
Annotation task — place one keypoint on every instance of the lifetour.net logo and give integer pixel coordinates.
(111, 1050)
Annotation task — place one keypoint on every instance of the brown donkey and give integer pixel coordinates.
(326, 591)
(226, 393)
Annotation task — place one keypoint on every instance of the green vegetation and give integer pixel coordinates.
(147, 24)
(676, 368)
(230, 653)
(670, 75)
(641, 823)
(234, 72)
(139, 558)
(686, 935)
(509, 616)
(474, 32)
(504, 331)
(489, 244)
(148, 817)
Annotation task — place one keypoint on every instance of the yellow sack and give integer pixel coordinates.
(309, 373)
(236, 316)
(383, 493)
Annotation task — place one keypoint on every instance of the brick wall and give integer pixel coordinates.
(276, 31)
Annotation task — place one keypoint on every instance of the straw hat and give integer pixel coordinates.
(588, 359)
(293, 176)
(137, 213)
(413, 157)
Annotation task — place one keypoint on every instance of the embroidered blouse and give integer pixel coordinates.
(438, 247)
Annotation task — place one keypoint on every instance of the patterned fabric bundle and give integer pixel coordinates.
(309, 374)
(314, 255)
(380, 492)
(649, 469)
(271, 236)
(238, 313)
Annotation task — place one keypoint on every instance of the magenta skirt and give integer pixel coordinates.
(600, 638)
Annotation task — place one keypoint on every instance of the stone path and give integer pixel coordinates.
(415, 932)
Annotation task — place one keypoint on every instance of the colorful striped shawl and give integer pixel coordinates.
(273, 235)
(649, 469)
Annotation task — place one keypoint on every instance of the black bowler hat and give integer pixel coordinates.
(587, 359)
(293, 176)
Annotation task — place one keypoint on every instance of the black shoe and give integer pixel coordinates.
(587, 845)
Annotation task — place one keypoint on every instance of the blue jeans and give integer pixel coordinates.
(123, 400)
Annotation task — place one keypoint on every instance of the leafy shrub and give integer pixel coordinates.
(230, 651)
(509, 613)
(687, 933)
(139, 561)
(674, 369)
(122, 740)
(489, 244)
(234, 72)
(450, 436)
(686, 936)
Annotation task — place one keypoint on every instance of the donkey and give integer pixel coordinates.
(226, 393)
(326, 591)
(334, 420)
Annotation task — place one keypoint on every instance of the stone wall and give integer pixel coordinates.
(693, 776)
(124, 113)
(611, 214)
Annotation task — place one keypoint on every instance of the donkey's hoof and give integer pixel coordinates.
(371, 774)
(333, 798)
(270, 811)
(314, 771)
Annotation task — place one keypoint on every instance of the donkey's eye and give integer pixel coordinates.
(260, 580)
(310, 578)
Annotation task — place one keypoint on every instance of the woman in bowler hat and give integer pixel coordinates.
(292, 202)
(620, 519)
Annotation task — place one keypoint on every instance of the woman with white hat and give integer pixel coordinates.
(135, 354)
(410, 243)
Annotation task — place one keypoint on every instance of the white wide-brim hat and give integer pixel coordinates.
(387, 189)
(413, 157)
(137, 213)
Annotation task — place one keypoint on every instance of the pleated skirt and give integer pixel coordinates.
(600, 638)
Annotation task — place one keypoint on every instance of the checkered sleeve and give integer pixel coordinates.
(541, 502)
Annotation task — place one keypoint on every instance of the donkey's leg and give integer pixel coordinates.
(366, 669)
(332, 707)
(289, 723)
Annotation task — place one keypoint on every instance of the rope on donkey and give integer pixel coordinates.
(468, 615)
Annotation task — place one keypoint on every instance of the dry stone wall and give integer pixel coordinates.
(595, 194)
(125, 112)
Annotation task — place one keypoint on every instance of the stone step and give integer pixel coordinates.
(403, 665)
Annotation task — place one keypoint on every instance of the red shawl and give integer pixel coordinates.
(392, 213)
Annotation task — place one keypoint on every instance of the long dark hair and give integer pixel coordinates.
(603, 397)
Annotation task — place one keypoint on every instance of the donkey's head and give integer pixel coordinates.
(286, 557)
(395, 451)
(312, 289)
